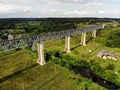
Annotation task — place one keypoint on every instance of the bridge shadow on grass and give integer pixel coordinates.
(75, 47)
(16, 73)
(89, 40)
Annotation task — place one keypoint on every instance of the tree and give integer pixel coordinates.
(57, 54)
(113, 40)
(47, 56)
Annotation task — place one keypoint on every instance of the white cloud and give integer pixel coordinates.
(11, 8)
(59, 8)
(71, 13)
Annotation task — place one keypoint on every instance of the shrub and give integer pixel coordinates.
(110, 67)
(57, 54)
(56, 60)
(113, 40)
(47, 56)
(62, 63)
(69, 66)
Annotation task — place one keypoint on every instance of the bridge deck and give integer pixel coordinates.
(29, 41)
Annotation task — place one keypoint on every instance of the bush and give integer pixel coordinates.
(62, 63)
(56, 60)
(57, 54)
(110, 67)
(95, 66)
(69, 66)
(47, 56)
(113, 40)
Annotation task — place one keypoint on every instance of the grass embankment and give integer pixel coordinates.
(19, 71)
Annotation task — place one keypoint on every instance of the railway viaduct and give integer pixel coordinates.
(41, 38)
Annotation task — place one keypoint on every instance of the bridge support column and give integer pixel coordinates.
(40, 60)
(83, 39)
(103, 26)
(33, 47)
(94, 33)
(67, 44)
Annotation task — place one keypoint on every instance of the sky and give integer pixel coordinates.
(59, 8)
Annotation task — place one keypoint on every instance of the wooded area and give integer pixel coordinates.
(32, 26)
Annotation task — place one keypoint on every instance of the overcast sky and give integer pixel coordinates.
(59, 8)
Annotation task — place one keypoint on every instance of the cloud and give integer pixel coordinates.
(80, 1)
(59, 8)
(11, 8)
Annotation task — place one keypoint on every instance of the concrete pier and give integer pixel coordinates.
(40, 60)
(67, 44)
(83, 39)
(94, 33)
(103, 26)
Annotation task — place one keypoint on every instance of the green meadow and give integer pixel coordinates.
(19, 70)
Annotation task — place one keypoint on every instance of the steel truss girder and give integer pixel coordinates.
(30, 41)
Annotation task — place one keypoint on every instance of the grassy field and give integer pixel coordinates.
(19, 71)
(95, 45)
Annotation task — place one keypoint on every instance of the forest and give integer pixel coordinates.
(32, 26)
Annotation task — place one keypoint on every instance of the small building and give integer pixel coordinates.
(10, 37)
(101, 53)
(107, 55)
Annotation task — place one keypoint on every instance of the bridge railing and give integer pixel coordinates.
(29, 41)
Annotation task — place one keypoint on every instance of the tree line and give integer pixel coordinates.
(33, 26)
